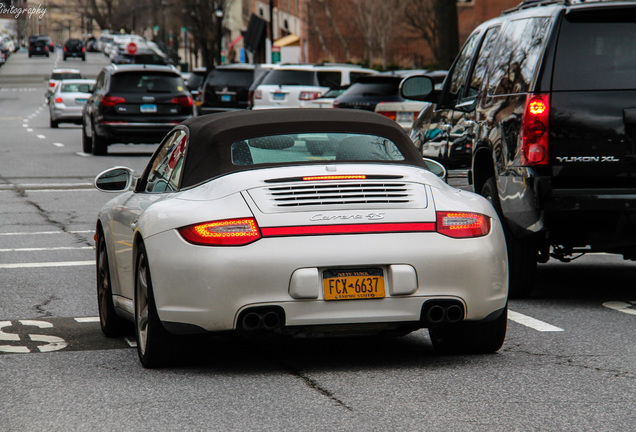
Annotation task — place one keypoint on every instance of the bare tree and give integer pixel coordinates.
(435, 21)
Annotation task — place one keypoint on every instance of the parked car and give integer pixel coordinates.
(67, 101)
(226, 88)
(74, 48)
(405, 112)
(272, 243)
(39, 46)
(102, 40)
(296, 86)
(194, 80)
(134, 104)
(58, 75)
(368, 91)
(544, 95)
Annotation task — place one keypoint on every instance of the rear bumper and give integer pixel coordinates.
(209, 287)
(135, 132)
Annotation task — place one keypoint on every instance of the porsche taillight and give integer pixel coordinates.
(462, 224)
(230, 232)
(534, 130)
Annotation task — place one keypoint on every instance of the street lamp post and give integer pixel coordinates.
(219, 22)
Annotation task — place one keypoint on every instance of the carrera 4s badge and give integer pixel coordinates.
(370, 216)
(570, 159)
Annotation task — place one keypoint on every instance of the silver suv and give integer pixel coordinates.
(297, 86)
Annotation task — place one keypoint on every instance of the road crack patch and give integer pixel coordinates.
(314, 385)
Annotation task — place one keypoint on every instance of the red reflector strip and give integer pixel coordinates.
(335, 177)
(348, 229)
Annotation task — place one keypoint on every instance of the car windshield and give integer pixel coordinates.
(312, 147)
(144, 82)
(379, 88)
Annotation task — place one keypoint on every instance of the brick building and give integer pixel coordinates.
(338, 31)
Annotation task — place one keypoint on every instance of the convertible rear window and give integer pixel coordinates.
(314, 147)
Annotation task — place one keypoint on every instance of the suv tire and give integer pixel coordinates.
(100, 145)
(87, 142)
(522, 251)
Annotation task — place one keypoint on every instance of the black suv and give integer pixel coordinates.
(74, 48)
(226, 88)
(543, 98)
(133, 104)
(39, 45)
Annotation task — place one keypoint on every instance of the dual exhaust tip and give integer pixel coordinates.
(442, 312)
(269, 319)
(261, 319)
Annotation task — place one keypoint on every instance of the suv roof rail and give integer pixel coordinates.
(525, 4)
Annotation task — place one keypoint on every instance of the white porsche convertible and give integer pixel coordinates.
(235, 226)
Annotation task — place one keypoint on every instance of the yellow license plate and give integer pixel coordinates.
(353, 284)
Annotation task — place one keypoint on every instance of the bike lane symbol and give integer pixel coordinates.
(30, 341)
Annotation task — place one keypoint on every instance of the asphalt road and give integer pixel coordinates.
(568, 363)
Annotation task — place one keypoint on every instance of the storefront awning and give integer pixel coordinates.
(289, 40)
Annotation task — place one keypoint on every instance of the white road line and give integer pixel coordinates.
(47, 264)
(87, 319)
(628, 308)
(56, 144)
(43, 249)
(41, 136)
(532, 322)
(29, 130)
(82, 154)
(131, 342)
(46, 233)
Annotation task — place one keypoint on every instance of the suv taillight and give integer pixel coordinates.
(307, 95)
(184, 101)
(534, 130)
(109, 101)
(258, 94)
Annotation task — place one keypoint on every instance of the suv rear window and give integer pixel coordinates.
(596, 53)
(144, 82)
(290, 77)
(230, 78)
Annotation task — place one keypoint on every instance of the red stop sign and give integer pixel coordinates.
(131, 48)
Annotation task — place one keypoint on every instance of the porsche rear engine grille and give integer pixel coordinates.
(339, 194)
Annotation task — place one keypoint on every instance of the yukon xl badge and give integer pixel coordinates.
(570, 159)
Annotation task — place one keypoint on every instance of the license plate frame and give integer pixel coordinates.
(277, 96)
(148, 108)
(226, 98)
(353, 284)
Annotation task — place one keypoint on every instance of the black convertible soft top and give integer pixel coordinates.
(211, 136)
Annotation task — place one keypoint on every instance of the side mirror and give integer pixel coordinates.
(118, 179)
(436, 168)
(417, 87)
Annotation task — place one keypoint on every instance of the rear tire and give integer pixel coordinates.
(112, 324)
(152, 338)
(53, 123)
(87, 142)
(522, 251)
(470, 337)
(100, 145)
